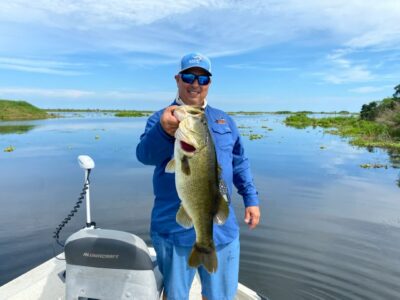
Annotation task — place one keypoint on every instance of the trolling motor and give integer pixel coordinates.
(106, 264)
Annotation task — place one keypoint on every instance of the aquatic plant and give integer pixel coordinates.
(9, 149)
(255, 136)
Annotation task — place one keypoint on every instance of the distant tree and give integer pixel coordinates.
(369, 111)
(397, 92)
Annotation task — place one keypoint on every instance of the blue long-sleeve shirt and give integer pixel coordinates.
(156, 148)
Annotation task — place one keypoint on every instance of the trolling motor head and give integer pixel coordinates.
(85, 162)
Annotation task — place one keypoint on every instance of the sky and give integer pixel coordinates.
(266, 55)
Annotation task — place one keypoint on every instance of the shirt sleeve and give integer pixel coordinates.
(242, 177)
(155, 144)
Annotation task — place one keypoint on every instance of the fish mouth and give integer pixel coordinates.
(187, 147)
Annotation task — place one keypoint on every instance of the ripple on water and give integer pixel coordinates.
(346, 266)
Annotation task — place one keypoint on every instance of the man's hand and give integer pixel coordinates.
(168, 121)
(252, 216)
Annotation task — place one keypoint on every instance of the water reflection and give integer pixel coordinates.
(329, 229)
(394, 157)
(19, 129)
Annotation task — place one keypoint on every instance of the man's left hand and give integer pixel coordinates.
(252, 216)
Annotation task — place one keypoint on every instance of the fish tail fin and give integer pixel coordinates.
(205, 256)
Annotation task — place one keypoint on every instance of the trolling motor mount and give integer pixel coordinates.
(104, 264)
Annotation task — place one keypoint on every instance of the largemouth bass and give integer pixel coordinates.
(197, 179)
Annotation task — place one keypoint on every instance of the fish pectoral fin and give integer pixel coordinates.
(170, 167)
(222, 210)
(183, 219)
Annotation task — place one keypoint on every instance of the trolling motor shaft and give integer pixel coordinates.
(87, 163)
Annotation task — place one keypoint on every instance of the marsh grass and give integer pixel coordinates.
(362, 132)
(20, 110)
(131, 114)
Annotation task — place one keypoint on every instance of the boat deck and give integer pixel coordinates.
(46, 282)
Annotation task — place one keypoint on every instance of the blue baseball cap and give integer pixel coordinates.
(193, 60)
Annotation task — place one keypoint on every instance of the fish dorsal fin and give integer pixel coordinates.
(222, 209)
(183, 219)
(170, 167)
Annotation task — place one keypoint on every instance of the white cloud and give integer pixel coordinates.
(41, 66)
(259, 66)
(348, 74)
(369, 89)
(18, 93)
(219, 28)
(340, 69)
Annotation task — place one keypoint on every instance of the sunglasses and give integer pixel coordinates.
(190, 78)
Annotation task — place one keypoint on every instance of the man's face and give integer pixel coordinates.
(192, 94)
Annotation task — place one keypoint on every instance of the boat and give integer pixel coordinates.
(99, 264)
(47, 282)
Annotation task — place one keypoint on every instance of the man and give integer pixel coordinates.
(172, 242)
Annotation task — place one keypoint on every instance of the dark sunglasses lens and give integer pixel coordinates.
(188, 78)
(203, 79)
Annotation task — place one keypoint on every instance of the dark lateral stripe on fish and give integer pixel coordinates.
(185, 165)
(202, 249)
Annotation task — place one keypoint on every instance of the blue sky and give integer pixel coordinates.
(266, 55)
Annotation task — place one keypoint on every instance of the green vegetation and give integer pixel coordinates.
(283, 112)
(247, 113)
(386, 112)
(20, 110)
(288, 112)
(9, 149)
(362, 132)
(255, 136)
(373, 166)
(116, 112)
(344, 112)
(396, 94)
(130, 113)
(378, 124)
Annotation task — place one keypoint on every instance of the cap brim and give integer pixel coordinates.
(209, 73)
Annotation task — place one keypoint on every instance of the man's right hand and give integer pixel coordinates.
(168, 121)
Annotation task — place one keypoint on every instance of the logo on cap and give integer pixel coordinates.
(195, 59)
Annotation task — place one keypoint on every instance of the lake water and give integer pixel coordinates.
(329, 230)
